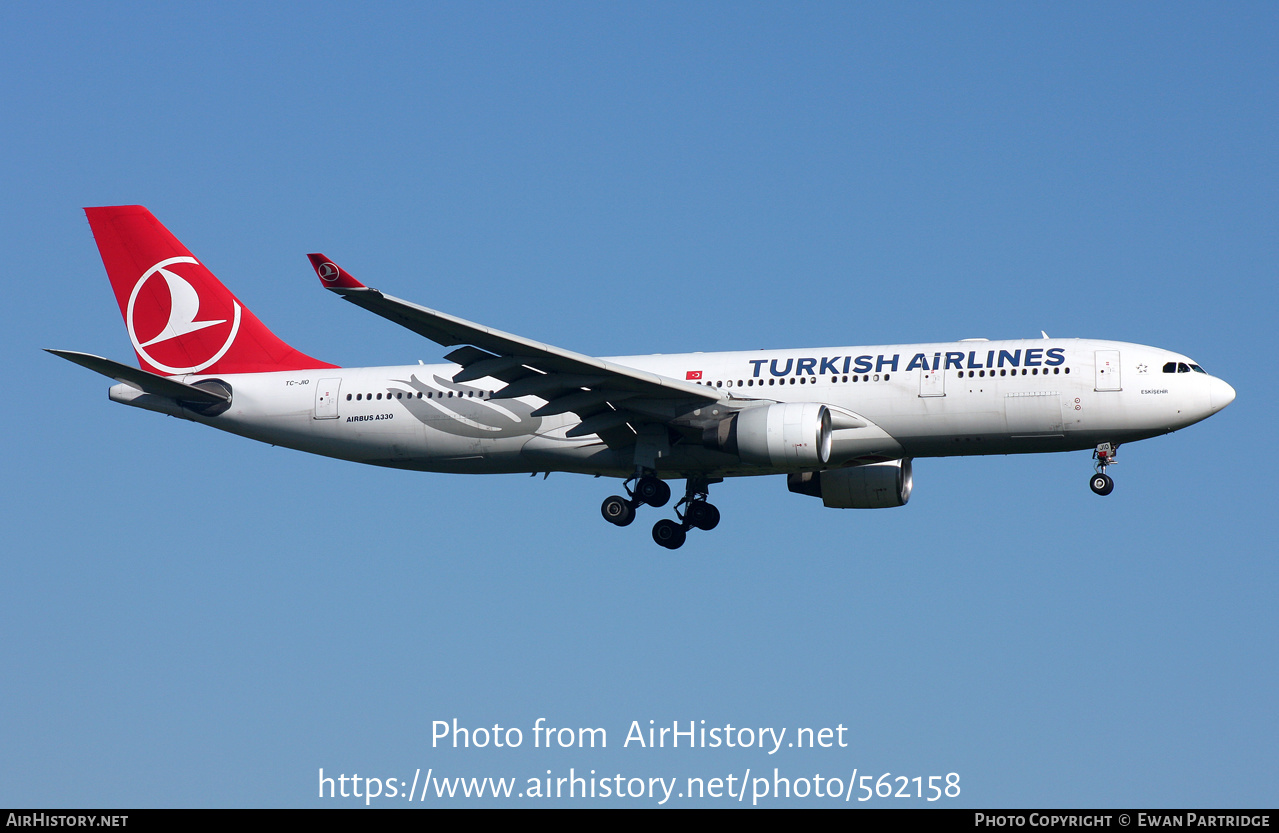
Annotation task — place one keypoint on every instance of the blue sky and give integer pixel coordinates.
(194, 619)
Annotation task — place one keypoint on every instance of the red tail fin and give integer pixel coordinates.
(180, 318)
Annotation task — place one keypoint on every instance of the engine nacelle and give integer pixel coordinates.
(877, 486)
(786, 435)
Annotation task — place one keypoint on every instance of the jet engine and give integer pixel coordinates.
(877, 486)
(785, 435)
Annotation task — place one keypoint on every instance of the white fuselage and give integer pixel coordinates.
(913, 400)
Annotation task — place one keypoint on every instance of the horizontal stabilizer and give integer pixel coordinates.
(142, 380)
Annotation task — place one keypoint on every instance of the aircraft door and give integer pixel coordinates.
(932, 382)
(326, 398)
(1108, 370)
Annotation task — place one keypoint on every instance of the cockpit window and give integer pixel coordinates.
(1182, 367)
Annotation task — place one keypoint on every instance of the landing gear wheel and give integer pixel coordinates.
(702, 515)
(652, 491)
(617, 510)
(669, 534)
(1102, 484)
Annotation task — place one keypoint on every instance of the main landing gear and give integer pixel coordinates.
(693, 510)
(648, 489)
(1105, 456)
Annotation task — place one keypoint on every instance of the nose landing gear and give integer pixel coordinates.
(1101, 482)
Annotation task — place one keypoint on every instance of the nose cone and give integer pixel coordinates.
(1221, 394)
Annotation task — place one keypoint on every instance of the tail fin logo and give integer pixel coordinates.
(169, 338)
(328, 271)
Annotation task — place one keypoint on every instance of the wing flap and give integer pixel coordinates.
(602, 422)
(498, 367)
(581, 402)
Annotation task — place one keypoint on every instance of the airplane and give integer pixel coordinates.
(841, 424)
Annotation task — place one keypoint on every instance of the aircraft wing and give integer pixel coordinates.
(603, 394)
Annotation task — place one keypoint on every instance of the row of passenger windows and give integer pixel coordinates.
(1182, 367)
(803, 380)
(1034, 371)
(470, 394)
(1171, 367)
(875, 377)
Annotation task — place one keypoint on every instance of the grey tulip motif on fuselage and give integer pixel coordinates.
(466, 412)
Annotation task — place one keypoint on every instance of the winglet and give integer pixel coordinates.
(332, 275)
